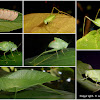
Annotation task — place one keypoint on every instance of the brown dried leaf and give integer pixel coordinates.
(33, 23)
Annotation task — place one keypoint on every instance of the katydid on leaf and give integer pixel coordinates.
(96, 21)
(94, 74)
(8, 46)
(52, 16)
(56, 44)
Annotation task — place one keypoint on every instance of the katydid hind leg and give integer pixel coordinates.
(97, 14)
(93, 21)
(59, 11)
(43, 53)
(64, 13)
(84, 24)
(55, 9)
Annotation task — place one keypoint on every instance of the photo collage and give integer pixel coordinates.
(49, 49)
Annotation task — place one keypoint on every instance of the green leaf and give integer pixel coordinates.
(2, 72)
(15, 60)
(7, 26)
(90, 41)
(51, 59)
(65, 69)
(38, 92)
(89, 85)
(23, 79)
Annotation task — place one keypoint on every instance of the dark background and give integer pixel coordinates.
(86, 8)
(46, 6)
(34, 44)
(16, 38)
(92, 58)
(12, 5)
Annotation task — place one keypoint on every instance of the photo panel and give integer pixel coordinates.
(88, 36)
(37, 82)
(88, 74)
(11, 16)
(49, 16)
(49, 49)
(10, 50)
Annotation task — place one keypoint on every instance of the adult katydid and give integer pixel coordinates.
(96, 21)
(56, 44)
(52, 16)
(8, 46)
(93, 74)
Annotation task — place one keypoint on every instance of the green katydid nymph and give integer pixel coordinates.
(8, 46)
(93, 74)
(56, 44)
(52, 16)
(96, 21)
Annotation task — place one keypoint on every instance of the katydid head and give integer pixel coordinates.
(65, 44)
(14, 47)
(45, 22)
(97, 22)
(89, 73)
